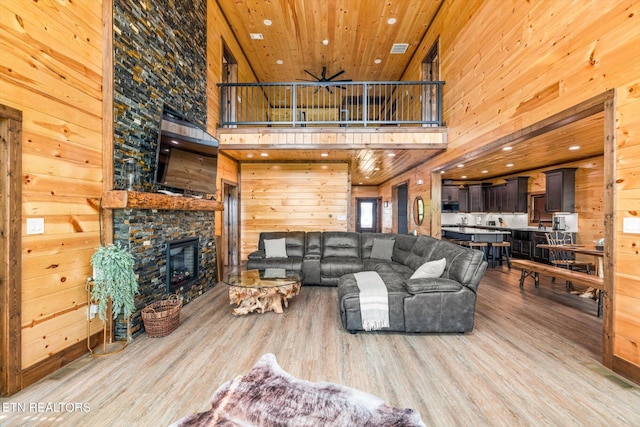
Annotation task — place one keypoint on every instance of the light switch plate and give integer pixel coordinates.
(631, 225)
(35, 225)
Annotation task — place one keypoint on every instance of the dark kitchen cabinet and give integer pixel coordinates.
(494, 197)
(514, 198)
(520, 244)
(560, 190)
(476, 198)
(539, 254)
(450, 193)
(463, 200)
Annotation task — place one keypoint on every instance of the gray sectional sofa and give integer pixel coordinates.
(434, 304)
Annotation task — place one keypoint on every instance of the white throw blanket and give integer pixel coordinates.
(374, 300)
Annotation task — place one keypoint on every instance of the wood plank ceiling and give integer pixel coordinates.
(357, 33)
(357, 37)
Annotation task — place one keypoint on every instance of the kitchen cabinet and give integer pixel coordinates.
(539, 254)
(476, 198)
(450, 193)
(463, 200)
(515, 195)
(560, 190)
(494, 196)
(520, 244)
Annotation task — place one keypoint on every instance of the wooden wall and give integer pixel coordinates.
(412, 177)
(227, 170)
(218, 35)
(499, 63)
(589, 195)
(51, 70)
(292, 197)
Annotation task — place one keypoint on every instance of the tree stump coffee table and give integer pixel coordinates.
(262, 290)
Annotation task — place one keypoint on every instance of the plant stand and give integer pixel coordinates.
(108, 346)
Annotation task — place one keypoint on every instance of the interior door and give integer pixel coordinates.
(367, 215)
(230, 232)
(402, 211)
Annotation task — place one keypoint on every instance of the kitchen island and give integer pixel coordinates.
(474, 234)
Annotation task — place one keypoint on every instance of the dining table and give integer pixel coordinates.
(584, 249)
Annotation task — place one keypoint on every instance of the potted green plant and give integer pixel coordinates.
(114, 281)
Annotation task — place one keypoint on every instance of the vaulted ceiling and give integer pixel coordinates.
(351, 35)
(357, 36)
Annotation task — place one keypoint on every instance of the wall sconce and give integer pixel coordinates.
(420, 182)
(130, 177)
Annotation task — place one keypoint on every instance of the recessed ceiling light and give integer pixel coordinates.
(391, 154)
(377, 61)
(485, 171)
(325, 42)
(324, 154)
(366, 177)
(463, 176)
(391, 21)
(507, 148)
(264, 154)
(267, 22)
(509, 165)
(250, 155)
(376, 169)
(574, 147)
(441, 171)
(279, 62)
(256, 36)
(460, 165)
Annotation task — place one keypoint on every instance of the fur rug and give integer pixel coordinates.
(269, 396)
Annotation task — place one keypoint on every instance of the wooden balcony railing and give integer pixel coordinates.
(331, 104)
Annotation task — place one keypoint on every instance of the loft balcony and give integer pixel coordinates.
(331, 104)
(380, 128)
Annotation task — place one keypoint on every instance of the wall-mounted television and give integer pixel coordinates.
(186, 157)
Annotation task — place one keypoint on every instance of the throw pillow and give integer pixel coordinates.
(430, 269)
(382, 249)
(276, 248)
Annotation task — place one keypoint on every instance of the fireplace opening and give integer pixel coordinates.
(182, 262)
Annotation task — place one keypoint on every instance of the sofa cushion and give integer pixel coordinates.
(295, 241)
(402, 248)
(431, 284)
(430, 269)
(340, 244)
(275, 248)
(382, 249)
(422, 251)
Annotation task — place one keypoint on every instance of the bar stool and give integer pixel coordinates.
(482, 246)
(500, 250)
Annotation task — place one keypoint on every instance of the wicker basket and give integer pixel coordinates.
(162, 317)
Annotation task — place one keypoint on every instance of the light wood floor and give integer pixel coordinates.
(532, 359)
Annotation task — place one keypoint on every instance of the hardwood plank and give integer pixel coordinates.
(532, 359)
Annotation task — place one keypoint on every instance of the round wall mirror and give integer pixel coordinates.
(418, 210)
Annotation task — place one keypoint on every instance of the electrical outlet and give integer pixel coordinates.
(35, 225)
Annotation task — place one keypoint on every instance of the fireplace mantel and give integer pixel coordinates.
(122, 199)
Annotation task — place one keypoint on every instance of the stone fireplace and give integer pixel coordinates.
(182, 263)
(153, 226)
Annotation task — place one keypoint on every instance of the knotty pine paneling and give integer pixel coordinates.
(326, 138)
(508, 68)
(228, 171)
(423, 190)
(218, 35)
(363, 192)
(51, 70)
(292, 197)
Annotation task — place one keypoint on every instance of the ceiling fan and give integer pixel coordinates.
(324, 79)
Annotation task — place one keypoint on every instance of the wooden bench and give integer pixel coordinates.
(533, 269)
